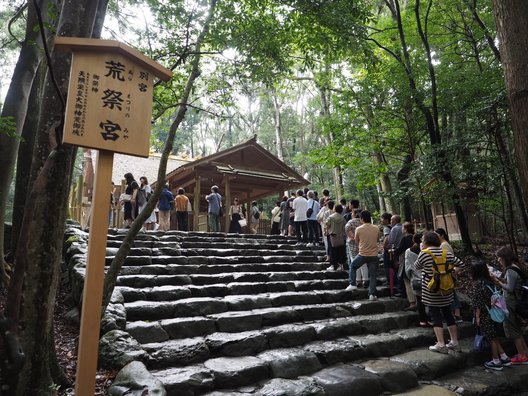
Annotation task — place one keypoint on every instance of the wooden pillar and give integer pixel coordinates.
(196, 206)
(94, 279)
(227, 200)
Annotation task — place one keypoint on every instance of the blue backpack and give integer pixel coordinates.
(498, 310)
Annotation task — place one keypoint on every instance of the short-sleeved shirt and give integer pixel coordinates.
(300, 205)
(368, 235)
(215, 201)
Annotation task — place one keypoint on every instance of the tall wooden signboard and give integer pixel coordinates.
(109, 109)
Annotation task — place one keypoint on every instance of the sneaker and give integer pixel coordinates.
(372, 297)
(340, 267)
(517, 359)
(493, 366)
(331, 268)
(351, 288)
(309, 244)
(506, 362)
(439, 348)
(453, 346)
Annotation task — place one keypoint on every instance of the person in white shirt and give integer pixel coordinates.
(300, 221)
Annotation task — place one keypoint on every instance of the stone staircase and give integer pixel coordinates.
(228, 314)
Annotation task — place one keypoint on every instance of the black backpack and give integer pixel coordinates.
(521, 302)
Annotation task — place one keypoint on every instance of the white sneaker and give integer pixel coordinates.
(372, 297)
(351, 288)
(455, 347)
(309, 244)
(331, 268)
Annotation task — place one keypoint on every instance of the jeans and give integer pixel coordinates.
(372, 264)
(313, 231)
(214, 222)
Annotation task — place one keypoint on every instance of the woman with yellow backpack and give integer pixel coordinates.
(437, 266)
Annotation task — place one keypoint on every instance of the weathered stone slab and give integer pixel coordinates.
(344, 380)
(117, 348)
(394, 376)
(337, 328)
(278, 316)
(149, 310)
(186, 381)
(385, 344)
(336, 351)
(177, 352)
(135, 380)
(147, 332)
(417, 336)
(188, 327)
(287, 387)
(428, 390)
(168, 293)
(427, 364)
(365, 307)
(247, 288)
(237, 321)
(480, 381)
(247, 303)
(289, 335)
(114, 318)
(215, 290)
(297, 298)
(313, 312)
(290, 362)
(199, 306)
(237, 344)
(233, 372)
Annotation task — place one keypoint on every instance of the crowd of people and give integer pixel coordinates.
(354, 243)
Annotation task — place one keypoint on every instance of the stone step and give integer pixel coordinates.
(171, 293)
(199, 306)
(188, 269)
(146, 280)
(369, 378)
(177, 258)
(181, 352)
(240, 321)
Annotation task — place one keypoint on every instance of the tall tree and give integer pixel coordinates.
(512, 28)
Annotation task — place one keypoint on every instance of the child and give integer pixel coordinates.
(480, 299)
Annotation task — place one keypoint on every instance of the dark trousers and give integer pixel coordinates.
(304, 226)
(182, 218)
(313, 231)
(337, 256)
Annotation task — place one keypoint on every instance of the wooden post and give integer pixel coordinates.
(196, 206)
(78, 200)
(94, 280)
(227, 201)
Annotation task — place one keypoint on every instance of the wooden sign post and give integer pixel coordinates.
(109, 108)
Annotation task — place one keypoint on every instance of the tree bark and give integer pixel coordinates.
(512, 29)
(15, 106)
(37, 263)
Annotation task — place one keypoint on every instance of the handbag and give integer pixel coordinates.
(309, 212)
(125, 197)
(242, 222)
(480, 344)
(417, 284)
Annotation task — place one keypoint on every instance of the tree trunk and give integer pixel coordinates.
(25, 152)
(278, 125)
(15, 106)
(386, 185)
(37, 264)
(124, 249)
(512, 29)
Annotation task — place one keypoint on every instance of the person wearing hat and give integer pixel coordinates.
(254, 218)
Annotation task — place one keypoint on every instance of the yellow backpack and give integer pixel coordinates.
(442, 280)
